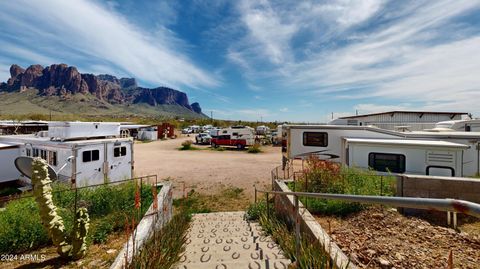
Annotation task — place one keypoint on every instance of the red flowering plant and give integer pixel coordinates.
(322, 176)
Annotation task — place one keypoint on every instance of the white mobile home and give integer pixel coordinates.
(332, 143)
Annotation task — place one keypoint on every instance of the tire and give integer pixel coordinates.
(214, 145)
(239, 146)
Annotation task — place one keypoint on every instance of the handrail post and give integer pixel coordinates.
(297, 228)
(268, 209)
(255, 194)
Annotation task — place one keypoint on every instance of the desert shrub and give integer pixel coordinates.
(187, 145)
(255, 148)
(255, 210)
(327, 177)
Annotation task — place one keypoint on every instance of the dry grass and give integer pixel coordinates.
(228, 199)
(98, 256)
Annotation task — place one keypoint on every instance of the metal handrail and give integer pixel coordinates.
(451, 205)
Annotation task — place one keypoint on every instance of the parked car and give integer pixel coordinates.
(203, 138)
(187, 131)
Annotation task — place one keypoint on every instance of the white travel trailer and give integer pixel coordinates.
(335, 142)
(87, 161)
(8, 153)
(237, 136)
(262, 130)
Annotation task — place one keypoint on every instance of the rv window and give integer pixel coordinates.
(43, 154)
(52, 158)
(224, 132)
(95, 155)
(29, 152)
(119, 151)
(235, 134)
(87, 156)
(35, 152)
(315, 139)
(387, 162)
(90, 155)
(440, 171)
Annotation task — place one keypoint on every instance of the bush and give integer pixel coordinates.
(21, 228)
(327, 177)
(255, 210)
(187, 145)
(254, 149)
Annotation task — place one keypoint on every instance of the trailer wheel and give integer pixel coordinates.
(214, 145)
(240, 146)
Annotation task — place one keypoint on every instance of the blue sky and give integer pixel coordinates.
(276, 60)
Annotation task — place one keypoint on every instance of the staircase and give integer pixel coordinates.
(226, 240)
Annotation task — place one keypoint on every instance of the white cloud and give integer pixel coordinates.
(85, 29)
(267, 29)
(283, 109)
(419, 55)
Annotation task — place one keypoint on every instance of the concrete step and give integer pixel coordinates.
(249, 264)
(224, 255)
(227, 240)
(265, 247)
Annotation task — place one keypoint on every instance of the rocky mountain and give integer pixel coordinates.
(64, 81)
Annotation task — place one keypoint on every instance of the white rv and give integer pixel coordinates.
(467, 125)
(87, 161)
(413, 152)
(237, 136)
(262, 130)
(8, 153)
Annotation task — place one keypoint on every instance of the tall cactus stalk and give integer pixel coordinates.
(70, 247)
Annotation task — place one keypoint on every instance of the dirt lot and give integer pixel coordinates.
(383, 238)
(206, 170)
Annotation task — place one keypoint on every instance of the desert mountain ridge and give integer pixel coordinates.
(63, 81)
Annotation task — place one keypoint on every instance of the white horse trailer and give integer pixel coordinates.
(330, 142)
(77, 152)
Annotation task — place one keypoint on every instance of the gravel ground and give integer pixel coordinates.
(206, 170)
(383, 238)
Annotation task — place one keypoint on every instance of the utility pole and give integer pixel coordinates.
(332, 115)
(211, 115)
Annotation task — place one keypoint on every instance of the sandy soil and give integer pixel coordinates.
(383, 238)
(206, 170)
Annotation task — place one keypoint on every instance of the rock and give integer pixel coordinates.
(63, 80)
(110, 251)
(384, 263)
(196, 108)
(378, 216)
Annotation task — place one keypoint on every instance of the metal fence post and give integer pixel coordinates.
(381, 185)
(255, 194)
(297, 228)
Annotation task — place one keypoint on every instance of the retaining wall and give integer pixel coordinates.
(439, 187)
(152, 220)
(284, 205)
